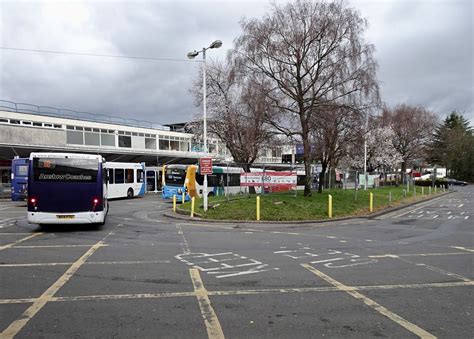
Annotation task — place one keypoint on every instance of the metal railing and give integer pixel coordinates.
(19, 107)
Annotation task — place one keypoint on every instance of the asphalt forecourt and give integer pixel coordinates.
(293, 206)
(146, 275)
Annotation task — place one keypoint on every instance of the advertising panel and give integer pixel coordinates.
(276, 181)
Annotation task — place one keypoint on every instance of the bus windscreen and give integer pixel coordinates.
(175, 176)
(65, 170)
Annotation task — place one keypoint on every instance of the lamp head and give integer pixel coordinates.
(192, 55)
(216, 44)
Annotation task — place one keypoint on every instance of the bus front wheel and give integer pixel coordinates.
(130, 193)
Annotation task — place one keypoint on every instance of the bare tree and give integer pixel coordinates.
(332, 132)
(314, 58)
(413, 127)
(236, 105)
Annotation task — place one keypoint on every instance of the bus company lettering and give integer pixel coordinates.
(65, 177)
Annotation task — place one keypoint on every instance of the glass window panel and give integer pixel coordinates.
(110, 175)
(74, 137)
(38, 124)
(125, 141)
(129, 176)
(150, 143)
(92, 138)
(164, 145)
(107, 139)
(174, 145)
(119, 175)
(184, 146)
(140, 176)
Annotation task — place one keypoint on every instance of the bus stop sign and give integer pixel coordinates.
(205, 166)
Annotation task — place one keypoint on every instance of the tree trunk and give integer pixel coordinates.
(321, 177)
(404, 172)
(307, 161)
(246, 168)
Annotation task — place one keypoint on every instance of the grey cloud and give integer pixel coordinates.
(424, 49)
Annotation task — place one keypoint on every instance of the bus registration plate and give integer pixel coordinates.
(69, 216)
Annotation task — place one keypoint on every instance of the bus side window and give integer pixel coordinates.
(129, 176)
(119, 176)
(234, 179)
(139, 176)
(200, 179)
(110, 175)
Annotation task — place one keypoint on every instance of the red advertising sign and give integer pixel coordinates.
(279, 180)
(205, 166)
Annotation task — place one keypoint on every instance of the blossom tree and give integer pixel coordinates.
(381, 152)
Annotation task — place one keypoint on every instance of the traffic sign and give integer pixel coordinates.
(205, 166)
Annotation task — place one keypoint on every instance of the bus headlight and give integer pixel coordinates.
(180, 191)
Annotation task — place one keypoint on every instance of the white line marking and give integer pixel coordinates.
(19, 241)
(371, 303)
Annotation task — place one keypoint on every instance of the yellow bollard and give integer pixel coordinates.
(330, 206)
(258, 208)
(192, 207)
(371, 202)
(174, 202)
(183, 196)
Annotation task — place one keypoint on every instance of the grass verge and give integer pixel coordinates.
(287, 207)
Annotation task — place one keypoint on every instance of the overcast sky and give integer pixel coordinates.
(424, 50)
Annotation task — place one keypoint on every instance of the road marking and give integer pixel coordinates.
(4, 233)
(462, 248)
(19, 241)
(213, 327)
(15, 327)
(88, 263)
(184, 244)
(384, 256)
(205, 225)
(439, 270)
(241, 292)
(467, 217)
(410, 211)
(460, 205)
(435, 216)
(371, 303)
(56, 246)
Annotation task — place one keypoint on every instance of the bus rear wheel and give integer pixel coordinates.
(130, 193)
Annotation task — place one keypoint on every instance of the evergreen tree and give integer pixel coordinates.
(453, 147)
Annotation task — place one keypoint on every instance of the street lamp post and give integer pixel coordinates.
(192, 55)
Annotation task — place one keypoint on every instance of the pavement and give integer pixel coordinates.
(407, 273)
